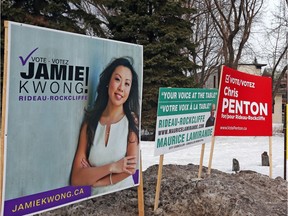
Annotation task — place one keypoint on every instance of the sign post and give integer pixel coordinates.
(140, 190)
(3, 114)
(158, 186)
(185, 118)
(201, 160)
(244, 107)
(211, 154)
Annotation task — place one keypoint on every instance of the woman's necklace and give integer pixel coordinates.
(107, 134)
(108, 119)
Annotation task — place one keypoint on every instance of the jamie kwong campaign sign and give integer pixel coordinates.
(244, 105)
(185, 118)
(51, 78)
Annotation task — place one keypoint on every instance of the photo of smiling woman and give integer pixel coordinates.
(108, 146)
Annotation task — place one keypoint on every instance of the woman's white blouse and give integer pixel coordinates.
(115, 149)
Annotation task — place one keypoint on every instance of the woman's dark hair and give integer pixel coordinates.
(131, 106)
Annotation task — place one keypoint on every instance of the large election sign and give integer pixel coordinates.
(185, 118)
(244, 105)
(52, 77)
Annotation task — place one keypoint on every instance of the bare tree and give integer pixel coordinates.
(233, 21)
(207, 53)
(281, 57)
(277, 39)
(98, 20)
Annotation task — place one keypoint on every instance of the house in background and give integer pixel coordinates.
(280, 99)
(256, 69)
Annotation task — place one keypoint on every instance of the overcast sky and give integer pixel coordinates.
(258, 37)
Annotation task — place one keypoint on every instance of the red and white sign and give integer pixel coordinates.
(244, 105)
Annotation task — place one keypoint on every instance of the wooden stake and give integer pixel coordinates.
(140, 190)
(211, 154)
(201, 160)
(158, 186)
(6, 24)
(270, 156)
